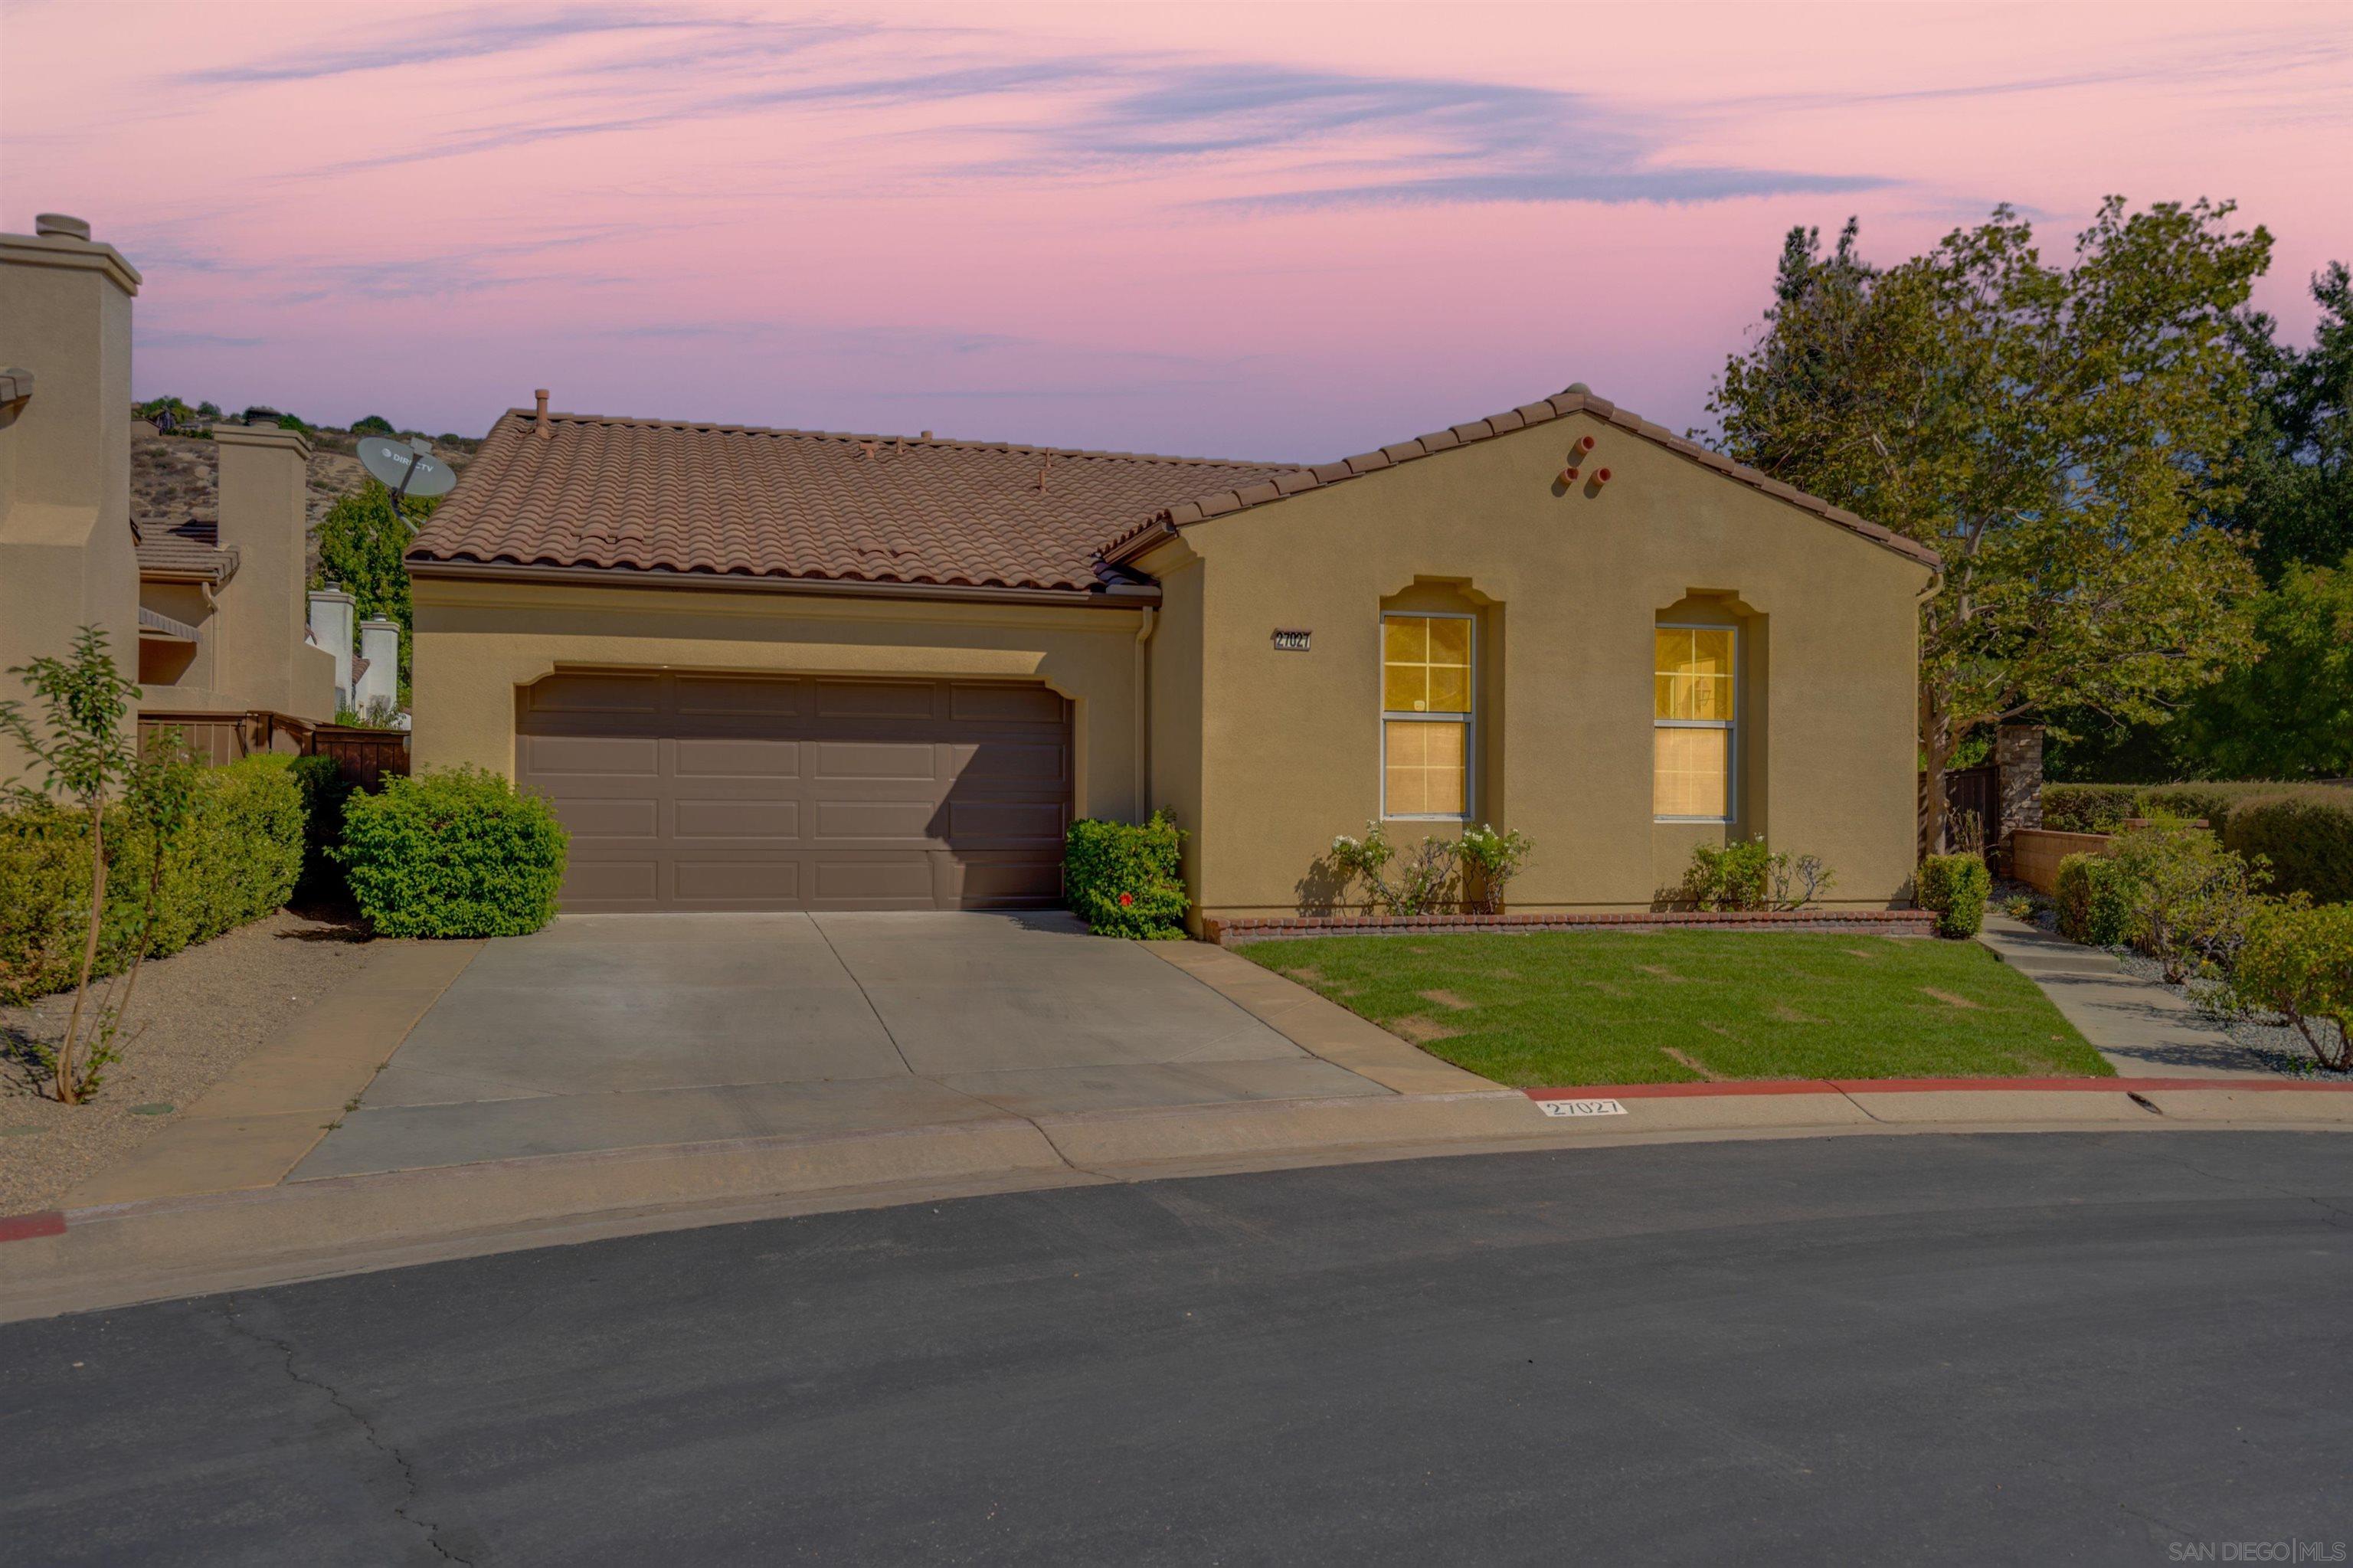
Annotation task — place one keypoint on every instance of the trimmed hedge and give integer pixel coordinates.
(2089, 808)
(2092, 905)
(1955, 886)
(2307, 836)
(236, 862)
(1122, 878)
(2103, 808)
(452, 853)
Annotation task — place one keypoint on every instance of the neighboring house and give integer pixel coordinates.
(777, 670)
(223, 614)
(208, 616)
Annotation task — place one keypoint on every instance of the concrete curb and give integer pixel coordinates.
(114, 1254)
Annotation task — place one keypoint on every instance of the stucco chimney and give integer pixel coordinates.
(331, 628)
(380, 682)
(265, 518)
(66, 556)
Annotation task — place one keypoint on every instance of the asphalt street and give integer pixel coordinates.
(2125, 1347)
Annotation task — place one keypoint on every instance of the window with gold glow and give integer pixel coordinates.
(1695, 703)
(1426, 715)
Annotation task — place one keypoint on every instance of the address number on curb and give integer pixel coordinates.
(1582, 1107)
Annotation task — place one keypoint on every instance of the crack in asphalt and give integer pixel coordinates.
(408, 1472)
(2335, 1215)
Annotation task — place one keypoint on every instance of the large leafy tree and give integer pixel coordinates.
(361, 543)
(2288, 715)
(2299, 481)
(2058, 433)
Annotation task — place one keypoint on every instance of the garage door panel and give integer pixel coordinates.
(724, 818)
(720, 882)
(876, 760)
(876, 699)
(871, 882)
(693, 792)
(708, 759)
(741, 697)
(636, 757)
(1026, 762)
(594, 883)
(974, 821)
(639, 817)
(894, 822)
(589, 694)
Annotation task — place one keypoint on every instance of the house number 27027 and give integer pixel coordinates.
(1291, 641)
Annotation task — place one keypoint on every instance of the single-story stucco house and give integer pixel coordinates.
(784, 670)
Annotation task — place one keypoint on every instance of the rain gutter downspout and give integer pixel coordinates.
(1143, 722)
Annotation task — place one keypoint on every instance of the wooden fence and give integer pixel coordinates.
(367, 755)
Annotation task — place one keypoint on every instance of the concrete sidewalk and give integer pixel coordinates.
(2137, 1025)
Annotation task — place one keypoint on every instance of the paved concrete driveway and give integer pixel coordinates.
(617, 1030)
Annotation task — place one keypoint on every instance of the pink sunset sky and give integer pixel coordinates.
(1284, 231)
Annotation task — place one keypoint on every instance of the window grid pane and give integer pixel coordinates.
(1691, 676)
(1691, 776)
(1426, 767)
(1425, 665)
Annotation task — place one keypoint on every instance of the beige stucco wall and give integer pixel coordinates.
(1569, 586)
(66, 558)
(260, 658)
(477, 643)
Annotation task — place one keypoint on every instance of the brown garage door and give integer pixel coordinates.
(688, 791)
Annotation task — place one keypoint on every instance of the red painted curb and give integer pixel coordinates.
(1922, 1085)
(24, 1227)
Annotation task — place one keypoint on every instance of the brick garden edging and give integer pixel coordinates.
(1227, 933)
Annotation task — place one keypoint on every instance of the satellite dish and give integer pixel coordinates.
(406, 468)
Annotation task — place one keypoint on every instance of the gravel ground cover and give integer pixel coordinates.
(197, 1014)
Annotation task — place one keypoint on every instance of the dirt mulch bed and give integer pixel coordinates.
(197, 1014)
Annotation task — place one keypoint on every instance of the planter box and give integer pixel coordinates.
(2035, 855)
(1231, 932)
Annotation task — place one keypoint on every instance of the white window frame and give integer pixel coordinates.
(1730, 727)
(1468, 720)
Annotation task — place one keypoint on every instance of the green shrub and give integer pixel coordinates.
(1751, 875)
(2307, 836)
(1489, 860)
(2092, 907)
(326, 788)
(453, 852)
(2187, 900)
(2298, 962)
(2089, 808)
(234, 863)
(1955, 886)
(1122, 878)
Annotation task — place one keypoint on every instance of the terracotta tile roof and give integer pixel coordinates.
(726, 500)
(1274, 487)
(189, 549)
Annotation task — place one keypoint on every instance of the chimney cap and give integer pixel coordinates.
(62, 224)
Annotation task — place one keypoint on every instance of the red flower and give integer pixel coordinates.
(1125, 899)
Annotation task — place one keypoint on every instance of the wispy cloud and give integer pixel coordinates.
(425, 40)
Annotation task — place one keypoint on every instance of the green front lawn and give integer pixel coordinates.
(1564, 1008)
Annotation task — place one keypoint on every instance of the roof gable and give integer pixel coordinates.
(1169, 519)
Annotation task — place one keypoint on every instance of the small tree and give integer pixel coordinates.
(2186, 898)
(84, 756)
(372, 425)
(361, 541)
(2298, 962)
